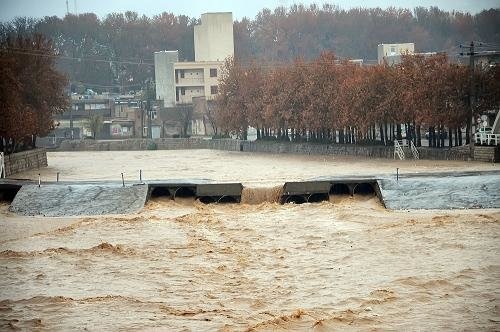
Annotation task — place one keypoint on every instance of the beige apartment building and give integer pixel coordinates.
(196, 79)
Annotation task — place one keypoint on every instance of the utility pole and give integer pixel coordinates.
(150, 129)
(470, 52)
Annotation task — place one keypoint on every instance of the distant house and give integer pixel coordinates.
(391, 53)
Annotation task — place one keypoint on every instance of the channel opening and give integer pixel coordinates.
(183, 192)
(8, 193)
(207, 199)
(296, 199)
(319, 197)
(364, 189)
(160, 192)
(340, 189)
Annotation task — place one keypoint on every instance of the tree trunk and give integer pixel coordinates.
(398, 132)
(441, 136)
(467, 138)
(450, 138)
(382, 134)
(419, 136)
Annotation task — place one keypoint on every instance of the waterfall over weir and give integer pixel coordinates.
(259, 195)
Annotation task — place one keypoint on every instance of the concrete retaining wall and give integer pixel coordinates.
(387, 152)
(455, 153)
(321, 149)
(487, 153)
(144, 144)
(26, 160)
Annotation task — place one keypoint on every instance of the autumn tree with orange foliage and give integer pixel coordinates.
(31, 91)
(334, 101)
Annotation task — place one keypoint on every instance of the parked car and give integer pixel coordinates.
(444, 134)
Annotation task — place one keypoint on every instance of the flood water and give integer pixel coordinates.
(346, 264)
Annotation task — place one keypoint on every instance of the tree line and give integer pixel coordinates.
(332, 100)
(31, 91)
(115, 53)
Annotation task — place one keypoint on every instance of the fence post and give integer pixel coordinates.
(2, 166)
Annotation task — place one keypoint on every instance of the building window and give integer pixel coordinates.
(183, 91)
(144, 131)
(182, 73)
(213, 89)
(393, 50)
(213, 72)
(154, 115)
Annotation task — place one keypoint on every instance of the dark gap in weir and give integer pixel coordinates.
(297, 199)
(7, 194)
(160, 192)
(364, 189)
(340, 189)
(184, 192)
(207, 199)
(316, 198)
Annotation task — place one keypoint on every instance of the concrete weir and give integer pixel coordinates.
(413, 191)
(205, 191)
(321, 190)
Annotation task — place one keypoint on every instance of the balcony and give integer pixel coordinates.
(190, 81)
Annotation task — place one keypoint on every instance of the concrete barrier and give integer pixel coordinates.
(487, 153)
(26, 160)
(387, 152)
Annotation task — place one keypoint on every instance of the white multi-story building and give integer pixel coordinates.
(177, 83)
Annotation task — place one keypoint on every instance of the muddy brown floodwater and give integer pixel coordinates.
(347, 264)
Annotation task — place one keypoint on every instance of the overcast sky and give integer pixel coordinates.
(193, 8)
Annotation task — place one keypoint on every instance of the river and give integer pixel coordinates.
(346, 264)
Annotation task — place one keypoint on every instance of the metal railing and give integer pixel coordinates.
(487, 139)
(398, 150)
(414, 150)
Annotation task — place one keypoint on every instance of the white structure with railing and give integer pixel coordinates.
(487, 135)
(398, 149)
(400, 144)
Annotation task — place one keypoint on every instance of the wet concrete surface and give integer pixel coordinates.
(442, 192)
(75, 200)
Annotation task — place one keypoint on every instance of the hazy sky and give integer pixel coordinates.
(193, 8)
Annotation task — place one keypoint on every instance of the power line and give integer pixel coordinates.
(84, 59)
(97, 85)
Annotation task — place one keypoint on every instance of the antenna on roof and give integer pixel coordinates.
(67, 8)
